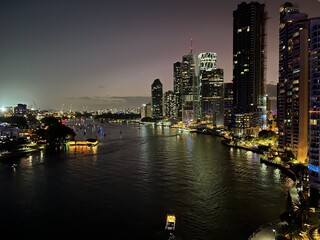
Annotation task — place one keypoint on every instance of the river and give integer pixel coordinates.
(123, 187)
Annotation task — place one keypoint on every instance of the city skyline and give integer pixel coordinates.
(100, 55)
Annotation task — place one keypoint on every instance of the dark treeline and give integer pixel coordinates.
(20, 122)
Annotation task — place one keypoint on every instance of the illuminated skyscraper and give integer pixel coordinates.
(211, 89)
(293, 99)
(188, 76)
(314, 128)
(249, 60)
(157, 99)
(177, 87)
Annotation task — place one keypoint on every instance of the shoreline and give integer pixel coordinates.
(224, 141)
(269, 230)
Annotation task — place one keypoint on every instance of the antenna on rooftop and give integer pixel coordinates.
(191, 46)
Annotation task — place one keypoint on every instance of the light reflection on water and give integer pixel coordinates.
(131, 180)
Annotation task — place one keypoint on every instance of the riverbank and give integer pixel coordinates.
(227, 143)
(270, 230)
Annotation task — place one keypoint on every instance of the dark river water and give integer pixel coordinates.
(124, 187)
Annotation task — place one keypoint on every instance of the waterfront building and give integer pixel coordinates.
(189, 80)
(177, 87)
(228, 105)
(292, 99)
(170, 110)
(211, 89)
(249, 21)
(314, 128)
(157, 99)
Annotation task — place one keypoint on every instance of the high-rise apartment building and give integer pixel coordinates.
(177, 87)
(293, 98)
(211, 89)
(249, 21)
(314, 128)
(157, 99)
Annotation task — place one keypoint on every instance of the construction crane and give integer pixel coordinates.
(35, 106)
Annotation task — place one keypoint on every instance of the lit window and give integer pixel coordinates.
(313, 122)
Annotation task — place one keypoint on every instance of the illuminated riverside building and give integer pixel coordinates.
(314, 128)
(293, 99)
(189, 80)
(157, 99)
(170, 110)
(228, 104)
(211, 89)
(249, 22)
(243, 124)
(177, 87)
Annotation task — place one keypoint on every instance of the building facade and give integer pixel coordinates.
(228, 105)
(170, 110)
(146, 110)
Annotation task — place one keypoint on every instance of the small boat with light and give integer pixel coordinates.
(171, 222)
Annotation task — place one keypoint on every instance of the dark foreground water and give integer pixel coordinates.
(123, 188)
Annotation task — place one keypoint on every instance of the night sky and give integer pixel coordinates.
(91, 54)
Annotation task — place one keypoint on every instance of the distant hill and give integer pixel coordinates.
(272, 90)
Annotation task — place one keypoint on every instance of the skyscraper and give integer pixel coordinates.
(177, 87)
(314, 128)
(292, 99)
(211, 89)
(170, 110)
(157, 99)
(249, 59)
(188, 76)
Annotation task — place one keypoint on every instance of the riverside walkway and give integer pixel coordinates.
(269, 230)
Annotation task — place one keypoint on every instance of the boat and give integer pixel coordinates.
(171, 222)
(91, 142)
